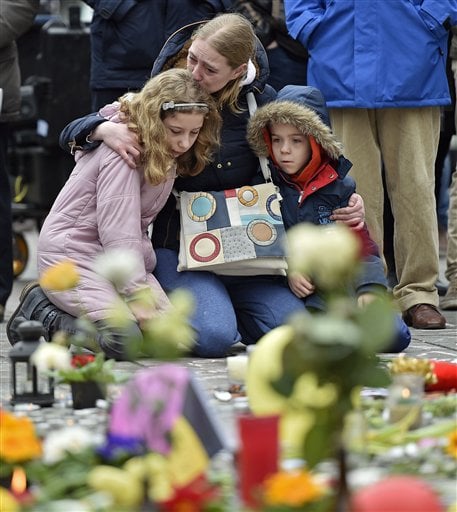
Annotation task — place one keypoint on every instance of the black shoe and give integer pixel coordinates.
(2, 313)
(31, 297)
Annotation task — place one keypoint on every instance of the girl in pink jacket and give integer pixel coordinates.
(105, 205)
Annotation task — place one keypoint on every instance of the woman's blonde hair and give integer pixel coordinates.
(233, 37)
(145, 111)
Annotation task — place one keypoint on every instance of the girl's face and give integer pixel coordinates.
(291, 149)
(182, 130)
(209, 68)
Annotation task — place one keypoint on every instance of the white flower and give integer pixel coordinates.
(326, 254)
(69, 439)
(118, 266)
(50, 356)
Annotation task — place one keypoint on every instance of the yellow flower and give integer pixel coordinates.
(451, 447)
(60, 277)
(292, 488)
(18, 442)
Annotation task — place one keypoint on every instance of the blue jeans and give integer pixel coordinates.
(228, 309)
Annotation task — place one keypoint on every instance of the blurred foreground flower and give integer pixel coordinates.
(60, 277)
(293, 490)
(451, 447)
(18, 440)
(330, 256)
(51, 356)
(73, 439)
(118, 266)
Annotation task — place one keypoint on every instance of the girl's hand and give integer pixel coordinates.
(120, 139)
(353, 215)
(300, 285)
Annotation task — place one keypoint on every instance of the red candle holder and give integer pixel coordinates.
(258, 454)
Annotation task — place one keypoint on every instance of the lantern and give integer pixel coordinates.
(27, 385)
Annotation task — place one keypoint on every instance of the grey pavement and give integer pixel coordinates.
(212, 373)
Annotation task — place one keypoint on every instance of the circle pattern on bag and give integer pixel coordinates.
(201, 207)
(273, 208)
(204, 247)
(248, 196)
(262, 232)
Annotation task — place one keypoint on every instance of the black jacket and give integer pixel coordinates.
(126, 36)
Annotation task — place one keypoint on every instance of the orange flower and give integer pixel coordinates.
(18, 440)
(451, 447)
(291, 488)
(60, 277)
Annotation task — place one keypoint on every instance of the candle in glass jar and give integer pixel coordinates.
(405, 396)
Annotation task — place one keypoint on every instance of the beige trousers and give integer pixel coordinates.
(406, 141)
(451, 256)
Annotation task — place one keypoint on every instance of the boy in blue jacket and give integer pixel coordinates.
(311, 172)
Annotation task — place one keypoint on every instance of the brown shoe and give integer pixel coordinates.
(424, 316)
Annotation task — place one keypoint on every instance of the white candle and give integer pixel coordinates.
(237, 368)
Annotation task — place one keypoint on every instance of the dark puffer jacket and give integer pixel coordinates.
(127, 35)
(304, 107)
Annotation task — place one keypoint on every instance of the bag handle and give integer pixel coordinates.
(252, 106)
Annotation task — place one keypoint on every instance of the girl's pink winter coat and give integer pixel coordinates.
(104, 205)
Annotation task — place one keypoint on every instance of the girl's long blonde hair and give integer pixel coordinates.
(233, 37)
(144, 115)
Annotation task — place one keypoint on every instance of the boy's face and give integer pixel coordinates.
(291, 149)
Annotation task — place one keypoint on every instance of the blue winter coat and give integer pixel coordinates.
(127, 35)
(375, 53)
(329, 189)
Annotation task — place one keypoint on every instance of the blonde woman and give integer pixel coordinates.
(105, 205)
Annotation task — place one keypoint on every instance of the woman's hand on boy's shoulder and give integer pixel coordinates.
(353, 214)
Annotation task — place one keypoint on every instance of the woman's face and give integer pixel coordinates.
(209, 68)
(182, 130)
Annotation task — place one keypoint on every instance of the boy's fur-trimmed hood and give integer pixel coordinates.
(301, 106)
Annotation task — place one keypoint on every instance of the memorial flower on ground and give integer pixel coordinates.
(451, 446)
(18, 440)
(294, 490)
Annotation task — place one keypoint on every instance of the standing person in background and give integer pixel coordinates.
(16, 17)
(384, 101)
(449, 301)
(286, 56)
(126, 37)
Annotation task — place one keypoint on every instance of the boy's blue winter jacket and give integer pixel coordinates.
(304, 107)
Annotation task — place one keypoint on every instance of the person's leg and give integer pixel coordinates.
(35, 305)
(214, 319)
(356, 129)
(6, 229)
(402, 336)
(409, 141)
(449, 301)
(120, 344)
(261, 303)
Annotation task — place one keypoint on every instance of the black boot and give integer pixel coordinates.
(34, 305)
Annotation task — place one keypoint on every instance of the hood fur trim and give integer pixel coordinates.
(289, 112)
